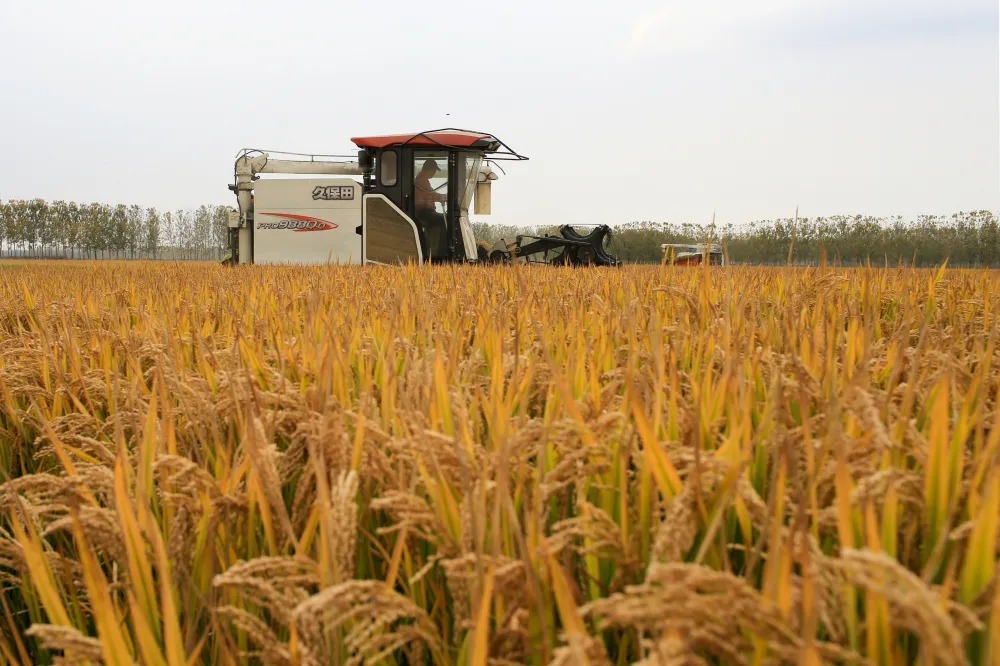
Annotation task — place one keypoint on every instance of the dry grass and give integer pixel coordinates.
(498, 465)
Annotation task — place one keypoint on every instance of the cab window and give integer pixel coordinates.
(388, 170)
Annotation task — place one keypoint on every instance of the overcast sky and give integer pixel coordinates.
(658, 110)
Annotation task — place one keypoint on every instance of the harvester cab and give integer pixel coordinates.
(432, 178)
(411, 204)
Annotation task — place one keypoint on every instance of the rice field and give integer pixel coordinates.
(495, 466)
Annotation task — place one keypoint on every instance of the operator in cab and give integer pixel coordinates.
(425, 198)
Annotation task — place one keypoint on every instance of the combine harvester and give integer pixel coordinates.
(391, 214)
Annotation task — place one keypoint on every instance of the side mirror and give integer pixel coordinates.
(365, 160)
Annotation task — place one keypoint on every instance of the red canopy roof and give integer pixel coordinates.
(437, 138)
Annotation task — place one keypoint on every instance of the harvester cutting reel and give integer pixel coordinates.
(561, 246)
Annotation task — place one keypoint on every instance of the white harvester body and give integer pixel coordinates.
(308, 221)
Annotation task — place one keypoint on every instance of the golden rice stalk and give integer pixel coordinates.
(101, 527)
(340, 516)
(735, 436)
(509, 583)
(413, 513)
(670, 650)
(591, 531)
(581, 650)
(269, 648)
(377, 621)
(75, 646)
(914, 606)
(278, 584)
(715, 614)
(263, 461)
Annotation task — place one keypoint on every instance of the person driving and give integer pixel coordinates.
(425, 197)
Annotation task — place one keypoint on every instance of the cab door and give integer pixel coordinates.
(388, 235)
(429, 200)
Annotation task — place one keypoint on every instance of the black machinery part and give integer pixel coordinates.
(570, 247)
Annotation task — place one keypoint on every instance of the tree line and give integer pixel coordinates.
(38, 228)
(964, 239)
(66, 229)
